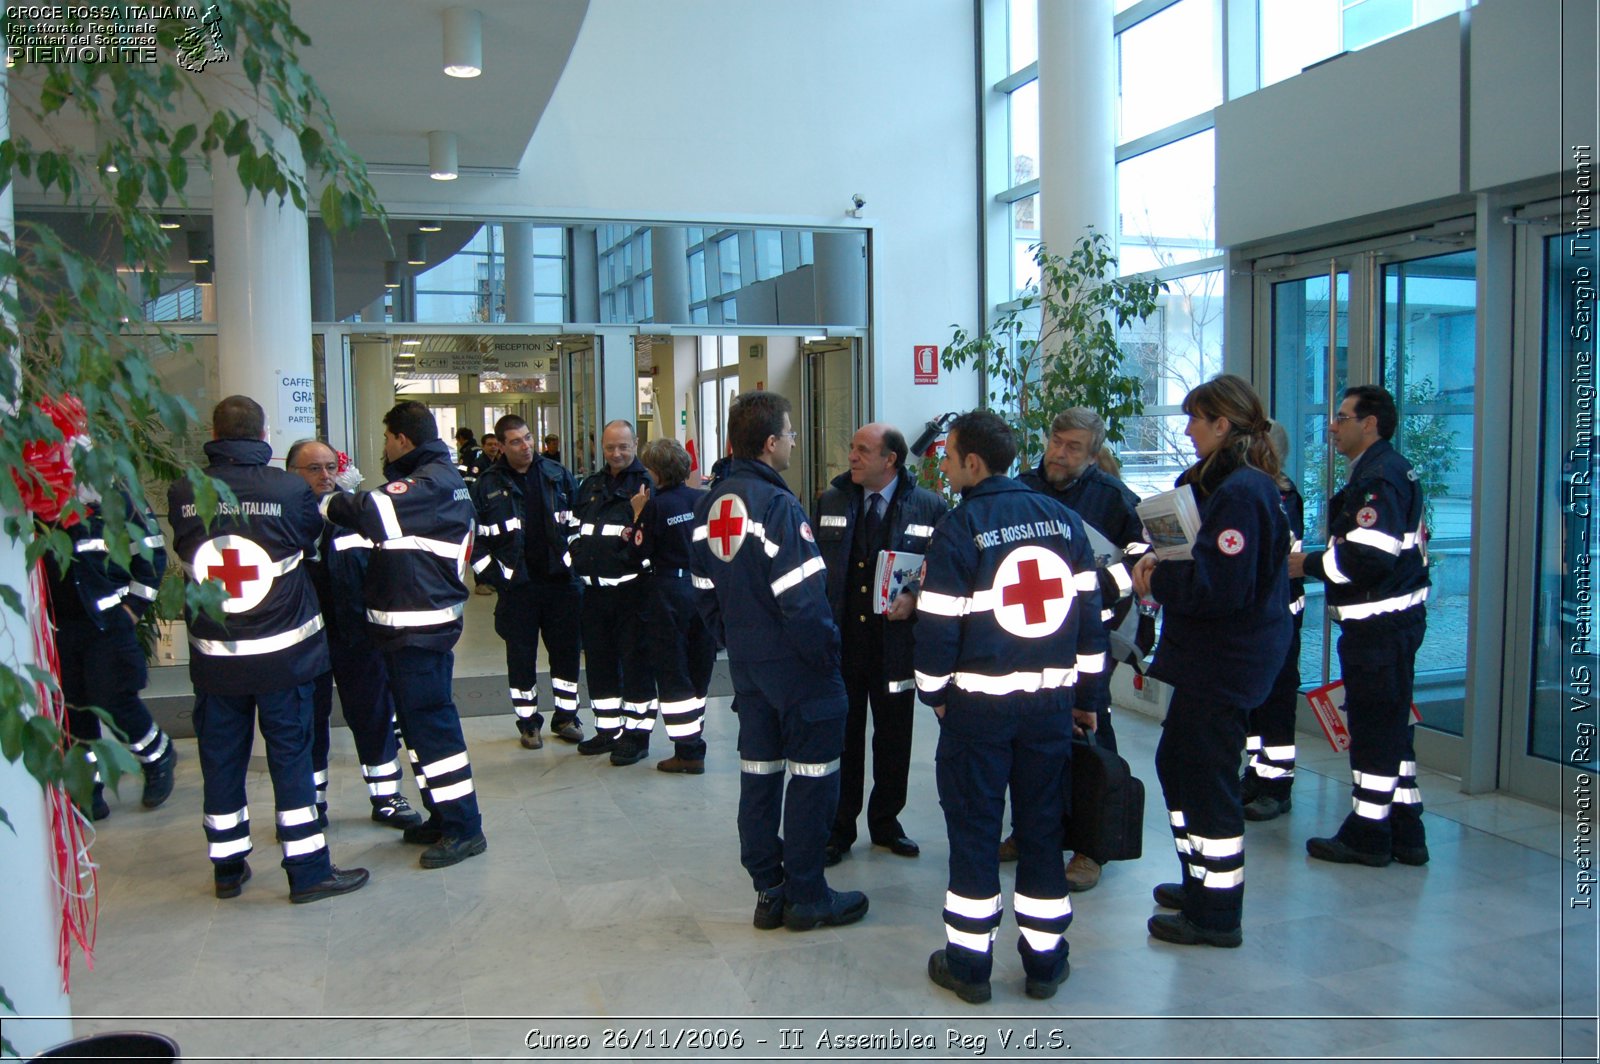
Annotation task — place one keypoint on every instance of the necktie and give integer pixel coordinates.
(874, 518)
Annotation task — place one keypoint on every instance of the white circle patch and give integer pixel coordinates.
(397, 487)
(1366, 517)
(1032, 592)
(242, 566)
(726, 525)
(1230, 541)
(806, 533)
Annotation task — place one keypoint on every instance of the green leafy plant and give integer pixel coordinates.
(72, 327)
(1057, 346)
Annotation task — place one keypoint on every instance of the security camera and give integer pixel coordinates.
(856, 203)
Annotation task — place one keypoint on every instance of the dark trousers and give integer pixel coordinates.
(368, 708)
(522, 614)
(866, 684)
(420, 680)
(1270, 741)
(1197, 762)
(622, 688)
(1023, 742)
(224, 726)
(682, 654)
(1378, 660)
(790, 718)
(107, 669)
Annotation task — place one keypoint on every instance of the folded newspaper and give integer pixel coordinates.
(1171, 521)
(896, 568)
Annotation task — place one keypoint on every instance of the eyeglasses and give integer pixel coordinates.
(793, 435)
(1337, 418)
(331, 467)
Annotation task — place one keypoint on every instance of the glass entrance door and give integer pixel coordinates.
(831, 414)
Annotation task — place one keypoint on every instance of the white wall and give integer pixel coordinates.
(776, 113)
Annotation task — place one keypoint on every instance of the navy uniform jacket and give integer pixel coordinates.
(271, 635)
(1294, 507)
(666, 527)
(755, 560)
(499, 554)
(1376, 562)
(339, 573)
(420, 525)
(100, 584)
(602, 542)
(908, 524)
(1010, 601)
(1226, 610)
(1108, 506)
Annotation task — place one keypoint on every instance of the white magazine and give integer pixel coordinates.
(896, 568)
(1171, 521)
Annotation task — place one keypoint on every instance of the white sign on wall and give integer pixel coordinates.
(297, 405)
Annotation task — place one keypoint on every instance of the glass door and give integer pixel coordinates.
(830, 415)
(580, 444)
(1310, 330)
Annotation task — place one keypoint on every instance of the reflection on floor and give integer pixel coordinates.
(612, 894)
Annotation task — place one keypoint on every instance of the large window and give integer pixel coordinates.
(470, 286)
(1296, 34)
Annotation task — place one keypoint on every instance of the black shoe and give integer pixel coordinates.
(1177, 928)
(900, 847)
(569, 731)
(342, 881)
(229, 879)
(1044, 989)
(1169, 895)
(528, 735)
(395, 812)
(98, 808)
(1249, 787)
(1410, 855)
(449, 851)
(769, 909)
(683, 766)
(833, 853)
(425, 834)
(601, 742)
(1266, 807)
(1333, 849)
(971, 993)
(840, 907)
(630, 751)
(158, 778)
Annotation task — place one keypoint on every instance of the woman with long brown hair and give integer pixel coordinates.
(1225, 632)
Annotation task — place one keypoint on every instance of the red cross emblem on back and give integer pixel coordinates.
(1031, 591)
(231, 574)
(727, 526)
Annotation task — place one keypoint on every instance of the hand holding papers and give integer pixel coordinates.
(1171, 521)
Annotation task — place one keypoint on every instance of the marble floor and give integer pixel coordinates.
(610, 920)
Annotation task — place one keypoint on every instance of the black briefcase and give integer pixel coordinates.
(1105, 807)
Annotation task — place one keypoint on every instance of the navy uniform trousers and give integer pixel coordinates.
(985, 745)
(107, 669)
(1378, 659)
(622, 687)
(521, 614)
(1271, 741)
(368, 709)
(790, 717)
(1197, 762)
(420, 679)
(866, 683)
(683, 653)
(224, 726)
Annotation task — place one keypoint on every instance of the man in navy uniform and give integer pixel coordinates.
(339, 572)
(420, 524)
(874, 507)
(1010, 652)
(604, 543)
(1375, 567)
(95, 605)
(524, 504)
(262, 657)
(765, 597)
(1069, 472)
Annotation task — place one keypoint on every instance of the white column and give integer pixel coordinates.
(1077, 122)
(519, 270)
(669, 274)
(30, 915)
(263, 278)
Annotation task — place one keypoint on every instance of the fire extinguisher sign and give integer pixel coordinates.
(925, 364)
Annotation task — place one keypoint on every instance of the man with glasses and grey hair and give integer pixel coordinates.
(1070, 473)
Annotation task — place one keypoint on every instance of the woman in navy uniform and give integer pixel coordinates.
(1223, 640)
